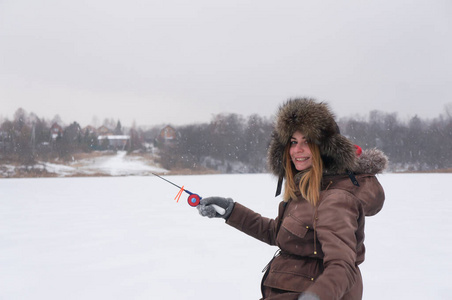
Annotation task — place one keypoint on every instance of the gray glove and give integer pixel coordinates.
(308, 296)
(206, 208)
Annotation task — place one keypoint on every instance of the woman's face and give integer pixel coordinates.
(299, 152)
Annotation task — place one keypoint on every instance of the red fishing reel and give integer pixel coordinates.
(193, 199)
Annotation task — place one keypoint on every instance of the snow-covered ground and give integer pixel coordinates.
(127, 238)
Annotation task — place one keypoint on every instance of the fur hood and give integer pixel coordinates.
(316, 121)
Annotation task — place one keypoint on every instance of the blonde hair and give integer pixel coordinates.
(310, 182)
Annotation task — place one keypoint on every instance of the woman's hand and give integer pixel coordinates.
(215, 207)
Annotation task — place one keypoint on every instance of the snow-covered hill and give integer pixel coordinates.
(119, 164)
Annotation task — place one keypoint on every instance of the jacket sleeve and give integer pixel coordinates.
(337, 223)
(253, 224)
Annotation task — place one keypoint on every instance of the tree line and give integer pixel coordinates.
(232, 143)
(415, 145)
(27, 139)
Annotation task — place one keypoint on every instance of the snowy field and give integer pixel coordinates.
(127, 238)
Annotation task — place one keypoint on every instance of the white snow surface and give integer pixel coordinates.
(127, 238)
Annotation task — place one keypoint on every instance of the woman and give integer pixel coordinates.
(329, 189)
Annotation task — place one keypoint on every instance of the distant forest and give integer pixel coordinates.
(229, 143)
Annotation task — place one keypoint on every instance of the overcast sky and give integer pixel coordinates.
(181, 62)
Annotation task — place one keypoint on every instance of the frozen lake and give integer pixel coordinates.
(127, 238)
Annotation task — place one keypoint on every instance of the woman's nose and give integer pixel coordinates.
(299, 148)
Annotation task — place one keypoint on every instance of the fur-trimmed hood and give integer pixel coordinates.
(316, 121)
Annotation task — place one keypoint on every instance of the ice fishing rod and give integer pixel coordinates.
(193, 199)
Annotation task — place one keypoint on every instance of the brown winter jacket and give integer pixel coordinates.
(322, 246)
